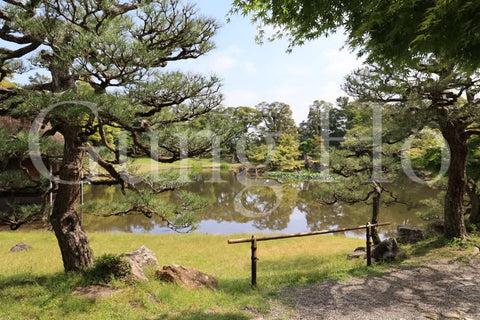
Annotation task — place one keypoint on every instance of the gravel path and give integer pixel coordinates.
(439, 290)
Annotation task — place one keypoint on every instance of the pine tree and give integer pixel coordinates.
(109, 53)
(435, 94)
(362, 172)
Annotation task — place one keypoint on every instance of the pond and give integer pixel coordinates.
(245, 205)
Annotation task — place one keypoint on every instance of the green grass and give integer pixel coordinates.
(33, 286)
(144, 165)
(439, 248)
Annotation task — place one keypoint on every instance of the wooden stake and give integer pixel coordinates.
(369, 244)
(254, 261)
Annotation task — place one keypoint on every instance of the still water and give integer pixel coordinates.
(241, 205)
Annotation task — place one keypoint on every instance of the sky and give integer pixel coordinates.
(252, 73)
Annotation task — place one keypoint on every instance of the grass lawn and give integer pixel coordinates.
(33, 286)
(144, 165)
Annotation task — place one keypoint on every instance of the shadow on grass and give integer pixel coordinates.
(307, 270)
(208, 316)
(37, 294)
(61, 282)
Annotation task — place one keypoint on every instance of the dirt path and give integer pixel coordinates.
(439, 290)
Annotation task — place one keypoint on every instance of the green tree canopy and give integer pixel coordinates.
(385, 30)
(335, 117)
(276, 118)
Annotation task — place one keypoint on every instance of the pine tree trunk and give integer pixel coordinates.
(457, 180)
(71, 237)
(375, 213)
(474, 204)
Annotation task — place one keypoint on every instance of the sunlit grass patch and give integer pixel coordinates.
(32, 284)
(144, 165)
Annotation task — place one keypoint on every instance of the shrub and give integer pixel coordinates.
(108, 267)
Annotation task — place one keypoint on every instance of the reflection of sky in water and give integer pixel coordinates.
(297, 223)
(156, 229)
(298, 211)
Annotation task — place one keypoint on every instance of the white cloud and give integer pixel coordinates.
(241, 97)
(228, 60)
(337, 62)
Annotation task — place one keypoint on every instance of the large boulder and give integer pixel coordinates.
(20, 247)
(190, 278)
(139, 260)
(386, 250)
(409, 234)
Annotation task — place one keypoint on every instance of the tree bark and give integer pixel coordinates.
(474, 204)
(71, 237)
(457, 180)
(375, 214)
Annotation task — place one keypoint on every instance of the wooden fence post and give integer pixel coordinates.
(254, 261)
(369, 244)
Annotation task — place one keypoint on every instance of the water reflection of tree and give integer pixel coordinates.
(320, 216)
(255, 199)
(124, 224)
(220, 195)
(279, 218)
(298, 195)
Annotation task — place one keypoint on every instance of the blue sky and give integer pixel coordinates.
(253, 73)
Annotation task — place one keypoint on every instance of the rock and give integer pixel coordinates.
(357, 253)
(451, 315)
(435, 226)
(409, 234)
(139, 260)
(189, 278)
(143, 256)
(137, 272)
(386, 250)
(20, 247)
(432, 316)
(94, 292)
